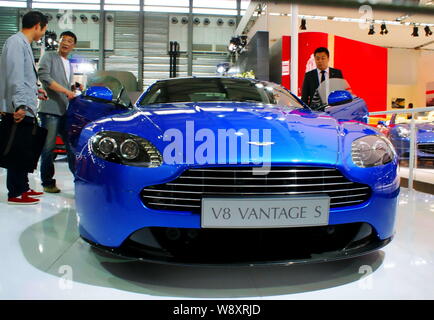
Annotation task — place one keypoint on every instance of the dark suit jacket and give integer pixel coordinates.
(311, 83)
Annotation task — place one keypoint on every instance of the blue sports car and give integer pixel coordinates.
(399, 135)
(221, 170)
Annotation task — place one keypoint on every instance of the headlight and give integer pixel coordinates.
(371, 151)
(125, 149)
(403, 132)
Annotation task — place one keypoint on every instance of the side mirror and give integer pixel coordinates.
(339, 97)
(100, 93)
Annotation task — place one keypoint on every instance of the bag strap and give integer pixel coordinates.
(35, 121)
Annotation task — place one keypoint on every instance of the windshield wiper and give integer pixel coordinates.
(249, 100)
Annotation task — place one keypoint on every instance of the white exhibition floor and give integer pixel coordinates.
(40, 252)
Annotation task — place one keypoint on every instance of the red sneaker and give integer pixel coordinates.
(33, 193)
(23, 199)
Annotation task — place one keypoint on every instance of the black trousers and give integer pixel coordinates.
(17, 182)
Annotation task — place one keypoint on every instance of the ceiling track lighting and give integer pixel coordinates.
(415, 31)
(303, 24)
(371, 29)
(383, 29)
(428, 31)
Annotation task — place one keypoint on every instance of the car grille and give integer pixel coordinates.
(426, 147)
(185, 192)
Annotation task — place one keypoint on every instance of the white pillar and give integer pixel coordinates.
(294, 48)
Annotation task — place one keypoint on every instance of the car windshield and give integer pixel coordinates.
(326, 87)
(120, 95)
(216, 89)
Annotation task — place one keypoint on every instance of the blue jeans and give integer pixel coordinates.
(56, 125)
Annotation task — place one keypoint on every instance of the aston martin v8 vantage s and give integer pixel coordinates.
(221, 170)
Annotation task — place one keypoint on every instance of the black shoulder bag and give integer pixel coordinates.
(21, 143)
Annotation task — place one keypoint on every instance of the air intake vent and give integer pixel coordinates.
(185, 192)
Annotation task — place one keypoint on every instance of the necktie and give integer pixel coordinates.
(322, 75)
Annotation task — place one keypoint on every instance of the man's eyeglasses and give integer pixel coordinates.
(68, 41)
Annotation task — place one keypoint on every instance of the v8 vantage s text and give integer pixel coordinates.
(220, 170)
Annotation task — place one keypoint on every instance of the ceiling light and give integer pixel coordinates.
(415, 31)
(303, 24)
(371, 30)
(383, 29)
(428, 31)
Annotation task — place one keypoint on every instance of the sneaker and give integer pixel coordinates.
(33, 193)
(23, 199)
(51, 189)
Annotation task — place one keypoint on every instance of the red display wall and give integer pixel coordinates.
(307, 43)
(364, 65)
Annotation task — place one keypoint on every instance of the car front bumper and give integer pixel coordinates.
(112, 217)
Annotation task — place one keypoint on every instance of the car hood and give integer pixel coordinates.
(296, 135)
(425, 131)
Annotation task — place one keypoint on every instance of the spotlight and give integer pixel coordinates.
(95, 18)
(83, 18)
(58, 16)
(110, 18)
(428, 31)
(303, 24)
(237, 44)
(206, 21)
(371, 30)
(196, 21)
(384, 29)
(243, 40)
(223, 68)
(174, 20)
(184, 20)
(415, 31)
(49, 17)
(73, 18)
(220, 22)
(50, 40)
(231, 23)
(234, 44)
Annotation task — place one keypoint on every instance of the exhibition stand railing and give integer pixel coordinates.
(412, 122)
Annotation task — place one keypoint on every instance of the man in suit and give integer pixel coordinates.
(313, 78)
(19, 93)
(55, 73)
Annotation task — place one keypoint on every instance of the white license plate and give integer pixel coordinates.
(267, 212)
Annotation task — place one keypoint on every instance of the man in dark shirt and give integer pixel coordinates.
(313, 78)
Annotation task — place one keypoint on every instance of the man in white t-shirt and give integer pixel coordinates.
(55, 73)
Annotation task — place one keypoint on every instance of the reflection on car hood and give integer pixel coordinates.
(425, 131)
(297, 135)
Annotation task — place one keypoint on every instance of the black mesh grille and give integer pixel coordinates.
(185, 192)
